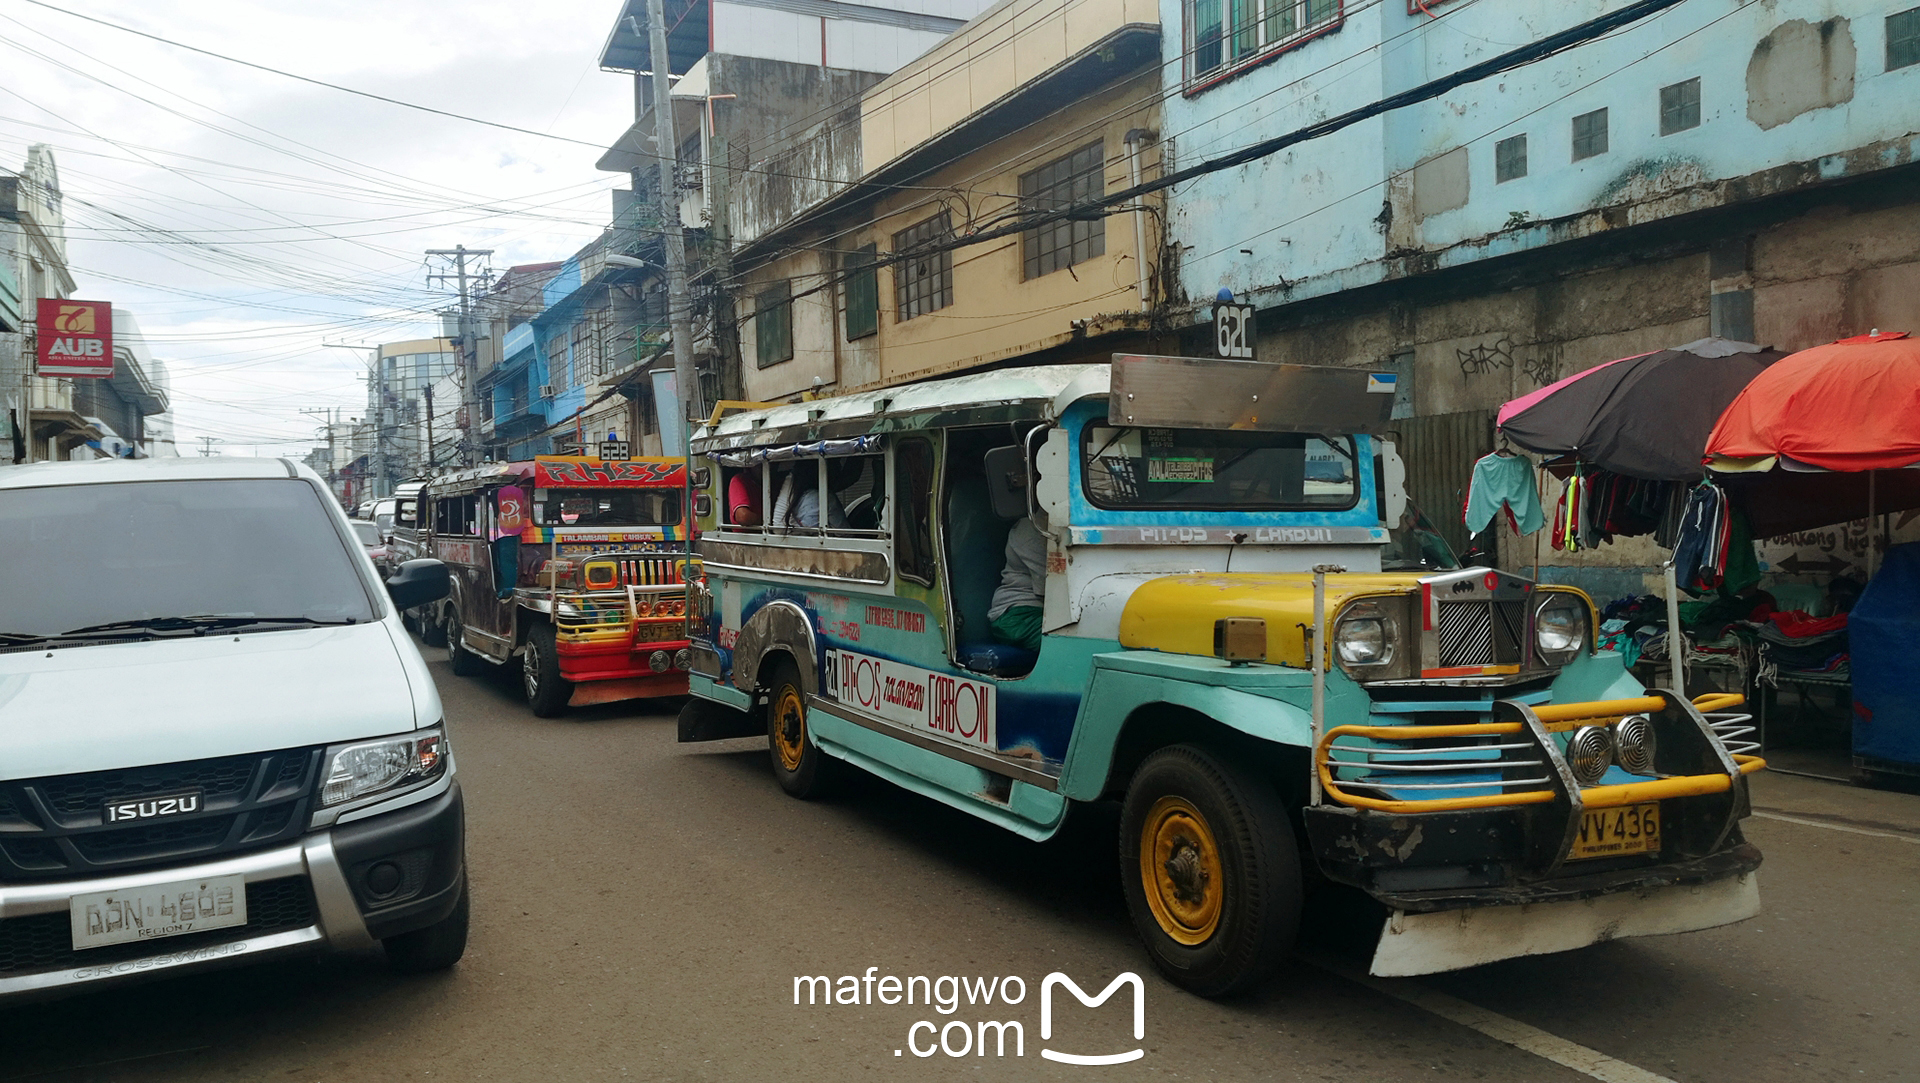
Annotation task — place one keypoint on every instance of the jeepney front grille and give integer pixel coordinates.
(649, 571)
(1481, 632)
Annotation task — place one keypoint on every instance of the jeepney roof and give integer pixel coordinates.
(545, 470)
(1042, 391)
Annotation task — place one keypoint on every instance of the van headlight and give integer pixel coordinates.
(1560, 627)
(1364, 636)
(370, 767)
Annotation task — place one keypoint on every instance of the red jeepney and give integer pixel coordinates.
(574, 565)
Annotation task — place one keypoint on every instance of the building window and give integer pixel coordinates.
(1222, 34)
(773, 325)
(1510, 158)
(557, 360)
(1589, 134)
(1061, 183)
(924, 283)
(1679, 107)
(862, 292)
(1903, 39)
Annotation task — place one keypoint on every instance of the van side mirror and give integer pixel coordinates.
(418, 582)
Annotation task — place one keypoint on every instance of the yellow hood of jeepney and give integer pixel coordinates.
(1175, 613)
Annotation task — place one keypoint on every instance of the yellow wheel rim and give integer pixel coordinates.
(789, 727)
(1180, 869)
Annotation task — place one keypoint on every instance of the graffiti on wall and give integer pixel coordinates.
(1503, 355)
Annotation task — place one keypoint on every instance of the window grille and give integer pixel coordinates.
(1903, 39)
(923, 283)
(773, 325)
(1510, 158)
(1063, 182)
(1589, 134)
(1679, 107)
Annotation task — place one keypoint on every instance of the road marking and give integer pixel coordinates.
(1529, 1039)
(1837, 827)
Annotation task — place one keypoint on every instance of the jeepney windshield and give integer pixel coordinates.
(1413, 545)
(1215, 469)
(607, 507)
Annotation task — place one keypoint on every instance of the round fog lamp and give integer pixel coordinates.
(660, 661)
(1590, 753)
(683, 659)
(1633, 744)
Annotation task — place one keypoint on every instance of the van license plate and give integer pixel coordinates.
(1611, 832)
(157, 911)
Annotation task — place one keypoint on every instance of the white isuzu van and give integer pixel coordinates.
(217, 744)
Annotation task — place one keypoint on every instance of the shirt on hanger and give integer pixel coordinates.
(1504, 481)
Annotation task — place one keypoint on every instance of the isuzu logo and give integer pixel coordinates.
(152, 808)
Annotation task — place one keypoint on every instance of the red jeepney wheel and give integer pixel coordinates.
(1180, 868)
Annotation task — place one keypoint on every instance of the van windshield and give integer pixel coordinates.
(1217, 469)
(80, 556)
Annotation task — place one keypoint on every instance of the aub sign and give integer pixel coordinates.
(76, 338)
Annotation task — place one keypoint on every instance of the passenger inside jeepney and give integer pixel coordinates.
(744, 501)
(996, 551)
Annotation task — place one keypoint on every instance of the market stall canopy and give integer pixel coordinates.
(1646, 416)
(1823, 435)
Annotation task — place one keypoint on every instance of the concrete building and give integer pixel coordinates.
(757, 83)
(1025, 108)
(1739, 169)
(400, 398)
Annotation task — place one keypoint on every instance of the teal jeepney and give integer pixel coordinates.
(1245, 638)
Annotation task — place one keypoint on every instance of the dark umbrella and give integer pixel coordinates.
(1646, 416)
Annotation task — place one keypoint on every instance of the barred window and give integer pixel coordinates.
(1903, 39)
(1061, 183)
(862, 292)
(1589, 134)
(1680, 107)
(773, 325)
(1223, 33)
(924, 283)
(557, 360)
(1510, 158)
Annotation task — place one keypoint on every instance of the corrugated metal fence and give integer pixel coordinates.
(1440, 451)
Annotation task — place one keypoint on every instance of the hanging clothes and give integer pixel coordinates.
(1504, 481)
(1715, 549)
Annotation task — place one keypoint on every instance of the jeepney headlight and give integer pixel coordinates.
(564, 608)
(1364, 636)
(1590, 753)
(368, 767)
(1560, 627)
(1633, 744)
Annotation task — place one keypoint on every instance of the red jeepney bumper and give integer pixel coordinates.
(607, 670)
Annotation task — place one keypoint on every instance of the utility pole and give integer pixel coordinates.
(469, 337)
(332, 462)
(666, 150)
(428, 390)
(726, 335)
(377, 391)
(206, 446)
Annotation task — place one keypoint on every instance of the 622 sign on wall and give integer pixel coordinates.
(1233, 331)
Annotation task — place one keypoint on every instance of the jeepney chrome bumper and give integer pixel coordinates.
(1430, 943)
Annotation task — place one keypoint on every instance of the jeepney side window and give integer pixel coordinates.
(913, 511)
(858, 485)
(743, 501)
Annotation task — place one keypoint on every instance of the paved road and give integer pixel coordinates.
(642, 908)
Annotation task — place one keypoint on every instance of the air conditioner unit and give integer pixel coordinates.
(547, 391)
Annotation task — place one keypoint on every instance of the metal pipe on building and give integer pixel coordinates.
(1136, 137)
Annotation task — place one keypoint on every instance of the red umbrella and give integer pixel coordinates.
(1850, 407)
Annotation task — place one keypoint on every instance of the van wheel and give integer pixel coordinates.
(464, 662)
(547, 691)
(802, 769)
(436, 947)
(1211, 870)
(433, 631)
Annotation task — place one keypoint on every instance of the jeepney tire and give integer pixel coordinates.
(462, 661)
(1186, 801)
(436, 947)
(432, 631)
(547, 691)
(799, 766)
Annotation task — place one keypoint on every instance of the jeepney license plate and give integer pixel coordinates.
(1611, 832)
(659, 633)
(158, 911)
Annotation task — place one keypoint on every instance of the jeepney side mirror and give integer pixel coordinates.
(1007, 481)
(418, 582)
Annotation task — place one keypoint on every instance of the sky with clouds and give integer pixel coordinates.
(246, 218)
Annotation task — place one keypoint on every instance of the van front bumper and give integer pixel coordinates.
(307, 896)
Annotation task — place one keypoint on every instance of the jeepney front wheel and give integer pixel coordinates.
(1211, 870)
(547, 691)
(798, 764)
(462, 661)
